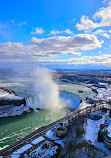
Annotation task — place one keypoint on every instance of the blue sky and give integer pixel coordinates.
(56, 33)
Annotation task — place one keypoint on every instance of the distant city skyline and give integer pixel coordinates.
(64, 34)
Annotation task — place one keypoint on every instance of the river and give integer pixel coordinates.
(13, 127)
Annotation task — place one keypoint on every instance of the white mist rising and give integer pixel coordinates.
(46, 89)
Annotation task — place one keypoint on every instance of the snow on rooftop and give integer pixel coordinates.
(14, 156)
(50, 151)
(51, 134)
(38, 140)
(23, 149)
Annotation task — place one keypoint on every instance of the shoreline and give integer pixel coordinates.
(88, 104)
(70, 117)
(19, 110)
(18, 115)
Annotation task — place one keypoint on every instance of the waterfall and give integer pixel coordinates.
(70, 99)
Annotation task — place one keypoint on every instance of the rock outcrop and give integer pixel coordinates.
(11, 104)
(8, 97)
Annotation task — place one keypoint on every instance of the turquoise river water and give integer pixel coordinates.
(13, 127)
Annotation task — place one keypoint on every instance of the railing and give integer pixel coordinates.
(72, 115)
(89, 109)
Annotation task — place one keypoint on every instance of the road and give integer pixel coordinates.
(41, 131)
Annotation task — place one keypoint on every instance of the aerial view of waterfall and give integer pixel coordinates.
(50, 99)
(55, 78)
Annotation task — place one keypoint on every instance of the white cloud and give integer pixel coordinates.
(102, 33)
(100, 52)
(70, 43)
(39, 49)
(104, 15)
(109, 31)
(93, 60)
(68, 31)
(105, 35)
(103, 60)
(86, 24)
(38, 30)
(55, 32)
(97, 32)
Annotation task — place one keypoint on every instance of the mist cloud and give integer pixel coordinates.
(47, 91)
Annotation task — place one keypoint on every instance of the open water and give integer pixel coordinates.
(13, 127)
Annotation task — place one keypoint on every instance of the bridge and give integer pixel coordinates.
(41, 131)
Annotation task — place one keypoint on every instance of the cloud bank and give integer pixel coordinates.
(103, 15)
(39, 49)
(102, 60)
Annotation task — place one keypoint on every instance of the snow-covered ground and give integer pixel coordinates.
(43, 152)
(4, 94)
(91, 135)
(109, 130)
(104, 94)
(93, 126)
(46, 149)
(11, 110)
(51, 134)
(92, 129)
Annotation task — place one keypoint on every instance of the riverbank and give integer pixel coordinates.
(78, 130)
(29, 122)
(11, 104)
(14, 105)
(83, 134)
(76, 139)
